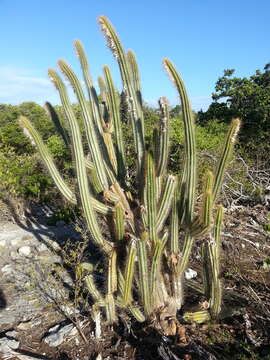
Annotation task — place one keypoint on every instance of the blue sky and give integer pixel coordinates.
(201, 37)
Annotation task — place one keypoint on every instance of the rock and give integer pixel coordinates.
(27, 237)
(36, 322)
(68, 310)
(53, 244)
(56, 336)
(24, 250)
(12, 333)
(15, 242)
(190, 274)
(54, 328)
(3, 242)
(25, 325)
(14, 255)
(42, 247)
(6, 344)
(7, 269)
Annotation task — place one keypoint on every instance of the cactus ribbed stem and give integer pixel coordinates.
(112, 273)
(119, 223)
(93, 143)
(80, 165)
(137, 120)
(198, 316)
(155, 269)
(93, 99)
(214, 252)
(177, 289)
(190, 146)
(110, 308)
(201, 225)
(163, 148)
(47, 158)
(129, 272)
(190, 159)
(134, 69)
(144, 276)
(165, 202)
(227, 150)
(115, 114)
(111, 286)
(57, 123)
(188, 243)
(104, 111)
(91, 286)
(107, 136)
(174, 222)
(151, 196)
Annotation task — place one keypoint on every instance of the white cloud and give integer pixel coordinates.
(19, 85)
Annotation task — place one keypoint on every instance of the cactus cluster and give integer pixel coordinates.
(153, 229)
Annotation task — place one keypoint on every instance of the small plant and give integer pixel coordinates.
(67, 214)
(150, 227)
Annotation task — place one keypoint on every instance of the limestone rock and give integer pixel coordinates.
(57, 335)
(190, 274)
(24, 250)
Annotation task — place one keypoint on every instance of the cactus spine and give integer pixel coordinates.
(146, 255)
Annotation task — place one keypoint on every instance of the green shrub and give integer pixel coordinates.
(67, 214)
(22, 176)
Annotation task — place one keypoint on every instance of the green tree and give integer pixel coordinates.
(39, 117)
(247, 98)
(175, 111)
(10, 133)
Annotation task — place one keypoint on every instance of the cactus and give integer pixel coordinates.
(153, 230)
(211, 268)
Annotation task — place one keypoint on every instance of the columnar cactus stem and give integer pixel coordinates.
(119, 222)
(135, 75)
(80, 166)
(129, 272)
(155, 269)
(190, 159)
(137, 121)
(198, 316)
(47, 158)
(57, 123)
(111, 286)
(227, 150)
(214, 255)
(144, 276)
(174, 222)
(202, 224)
(94, 292)
(163, 148)
(165, 202)
(93, 143)
(56, 176)
(114, 103)
(93, 99)
(134, 310)
(190, 147)
(151, 196)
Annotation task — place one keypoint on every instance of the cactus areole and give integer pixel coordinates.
(153, 229)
